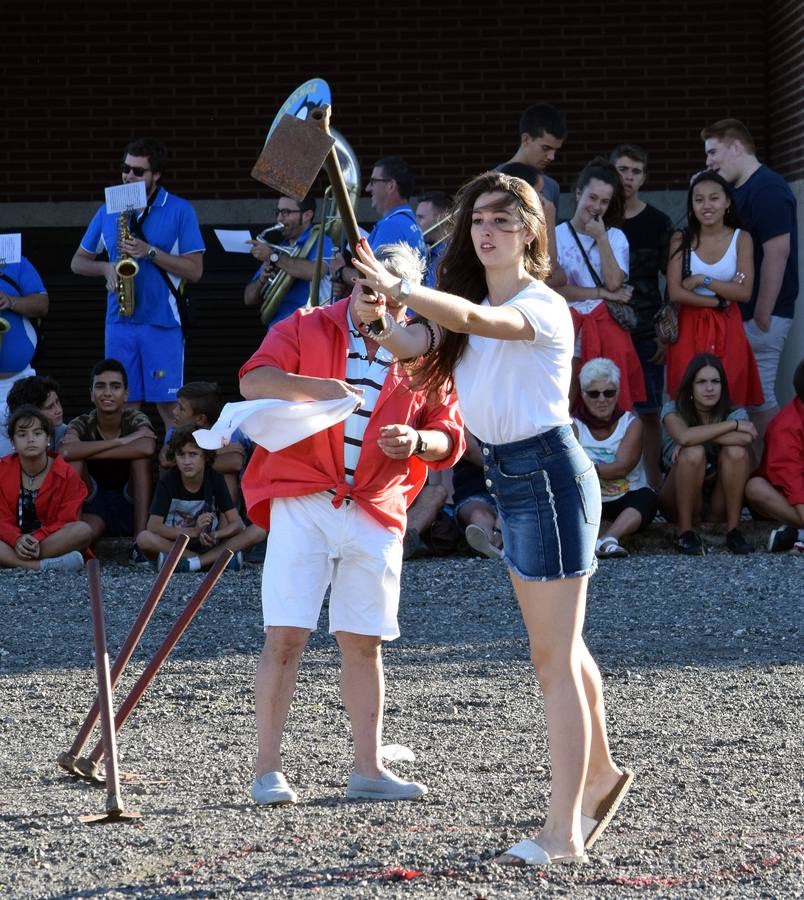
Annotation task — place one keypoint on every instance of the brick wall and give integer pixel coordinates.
(786, 86)
(443, 84)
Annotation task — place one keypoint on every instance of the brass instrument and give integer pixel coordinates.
(5, 326)
(126, 269)
(276, 287)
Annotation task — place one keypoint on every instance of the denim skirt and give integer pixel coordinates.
(548, 496)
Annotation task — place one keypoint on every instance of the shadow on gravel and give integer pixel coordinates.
(644, 611)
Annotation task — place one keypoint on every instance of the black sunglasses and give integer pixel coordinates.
(137, 170)
(608, 393)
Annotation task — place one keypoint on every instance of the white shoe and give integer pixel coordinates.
(387, 787)
(272, 789)
(478, 539)
(67, 562)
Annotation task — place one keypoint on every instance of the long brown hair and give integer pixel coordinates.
(685, 404)
(461, 272)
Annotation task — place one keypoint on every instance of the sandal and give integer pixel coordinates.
(529, 853)
(609, 548)
(593, 826)
(478, 540)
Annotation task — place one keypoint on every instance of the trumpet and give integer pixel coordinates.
(5, 327)
(126, 269)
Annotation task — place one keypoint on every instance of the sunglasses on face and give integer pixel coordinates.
(608, 393)
(137, 170)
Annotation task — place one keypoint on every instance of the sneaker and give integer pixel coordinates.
(235, 563)
(386, 787)
(782, 539)
(136, 557)
(799, 546)
(272, 789)
(689, 544)
(478, 540)
(67, 562)
(737, 543)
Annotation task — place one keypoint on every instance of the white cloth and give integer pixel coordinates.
(605, 452)
(512, 390)
(572, 262)
(722, 270)
(275, 424)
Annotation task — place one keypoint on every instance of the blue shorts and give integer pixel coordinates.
(115, 507)
(548, 498)
(654, 377)
(153, 358)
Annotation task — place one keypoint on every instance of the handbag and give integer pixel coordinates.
(622, 313)
(665, 322)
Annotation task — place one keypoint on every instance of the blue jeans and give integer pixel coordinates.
(548, 497)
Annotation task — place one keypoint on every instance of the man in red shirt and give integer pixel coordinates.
(337, 503)
(777, 489)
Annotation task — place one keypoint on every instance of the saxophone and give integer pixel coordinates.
(126, 269)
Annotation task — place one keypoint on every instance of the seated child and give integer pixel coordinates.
(776, 491)
(112, 448)
(199, 403)
(40, 500)
(191, 498)
(42, 392)
(475, 510)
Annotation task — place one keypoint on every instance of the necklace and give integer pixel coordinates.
(32, 478)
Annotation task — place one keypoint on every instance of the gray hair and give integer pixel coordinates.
(402, 260)
(599, 369)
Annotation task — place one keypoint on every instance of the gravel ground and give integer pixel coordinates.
(702, 666)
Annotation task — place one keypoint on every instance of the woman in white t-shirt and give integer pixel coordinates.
(505, 340)
(612, 438)
(594, 256)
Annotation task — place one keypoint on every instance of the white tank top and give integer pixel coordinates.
(605, 451)
(723, 270)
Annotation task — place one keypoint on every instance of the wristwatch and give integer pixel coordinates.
(421, 445)
(402, 290)
(707, 280)
(152, 251)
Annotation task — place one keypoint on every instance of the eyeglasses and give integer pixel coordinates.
(286, 212)
(377, 181)
(137, 170)
(608, 393)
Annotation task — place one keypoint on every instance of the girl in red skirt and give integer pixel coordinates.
(710, 270)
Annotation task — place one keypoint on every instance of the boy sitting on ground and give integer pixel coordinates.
(777, 489)
(199, 403)
(112, 447)
(191, 498)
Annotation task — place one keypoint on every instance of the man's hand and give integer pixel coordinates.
(335, 389)
(398, 441)
(5, 301)
(133, 247)
(111, 277)
(370, 308)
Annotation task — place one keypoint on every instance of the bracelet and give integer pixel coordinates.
(388, 328)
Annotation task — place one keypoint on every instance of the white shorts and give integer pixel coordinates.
(312, 545)
(767, 347)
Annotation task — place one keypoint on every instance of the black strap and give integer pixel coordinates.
(13, 283)
(595, 277)
(135, 226)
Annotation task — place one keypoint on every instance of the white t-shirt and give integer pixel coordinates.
(574, 265)
(512, 390)
(605, 451)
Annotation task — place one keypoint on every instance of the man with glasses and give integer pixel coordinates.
(391, 185)
(166, 242)
(296, 219)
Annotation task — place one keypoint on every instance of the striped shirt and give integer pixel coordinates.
(369, 376)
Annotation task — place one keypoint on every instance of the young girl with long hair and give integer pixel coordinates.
(494, 329)
(710, 271)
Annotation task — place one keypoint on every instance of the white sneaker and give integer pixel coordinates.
(68, 562)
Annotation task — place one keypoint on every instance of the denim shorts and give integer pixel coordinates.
(548, 498)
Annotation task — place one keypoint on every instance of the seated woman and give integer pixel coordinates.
(40, 500)
(475, 510)
(594, 257)
(612, 439)
(710, 271)
(706, 453)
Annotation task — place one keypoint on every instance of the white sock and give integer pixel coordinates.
(195, 563)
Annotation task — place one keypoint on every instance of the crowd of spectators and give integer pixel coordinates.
(678, 340)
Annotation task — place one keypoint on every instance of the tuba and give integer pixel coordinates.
(276, 287)
(126, 269)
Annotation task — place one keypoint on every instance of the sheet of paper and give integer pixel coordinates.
(10, 248)
(234, 241)
(121, 197)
